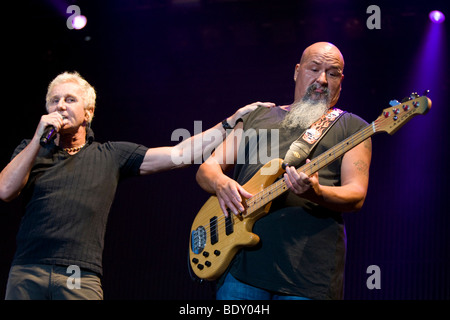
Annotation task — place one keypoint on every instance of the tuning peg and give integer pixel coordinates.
(426, 92)
(393, 103)
(406, 99)
(414, 95)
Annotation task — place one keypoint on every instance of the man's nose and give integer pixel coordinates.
(61, 105)
(322, 79)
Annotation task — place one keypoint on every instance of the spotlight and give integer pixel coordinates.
(436, 16)
(79, 22)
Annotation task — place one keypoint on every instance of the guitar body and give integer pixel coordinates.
(215, 239)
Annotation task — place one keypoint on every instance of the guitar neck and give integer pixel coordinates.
(273, 191)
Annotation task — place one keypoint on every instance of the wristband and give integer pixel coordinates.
(226, 125)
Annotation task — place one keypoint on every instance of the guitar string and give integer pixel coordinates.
(280, 186)
(274, 188)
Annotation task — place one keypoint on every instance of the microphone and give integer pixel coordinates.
(49, 134)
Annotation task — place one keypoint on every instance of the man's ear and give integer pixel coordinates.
(297, 66)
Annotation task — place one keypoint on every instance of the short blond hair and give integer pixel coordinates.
(89, 94)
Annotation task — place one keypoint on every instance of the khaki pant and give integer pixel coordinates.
(52, 282)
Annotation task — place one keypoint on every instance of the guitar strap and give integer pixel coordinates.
(301, 148)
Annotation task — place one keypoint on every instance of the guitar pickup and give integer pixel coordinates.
(229, 225)
(213, 230)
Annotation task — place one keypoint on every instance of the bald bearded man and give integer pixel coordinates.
(301, 253)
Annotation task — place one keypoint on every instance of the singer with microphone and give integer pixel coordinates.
(68, 182)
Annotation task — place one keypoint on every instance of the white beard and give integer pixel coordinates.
(303, 114)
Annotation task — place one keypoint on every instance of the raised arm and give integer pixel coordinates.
(15, 175)
(187, 151)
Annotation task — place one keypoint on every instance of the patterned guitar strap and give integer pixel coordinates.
(301, 148)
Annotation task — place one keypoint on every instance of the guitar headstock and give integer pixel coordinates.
(394, 117)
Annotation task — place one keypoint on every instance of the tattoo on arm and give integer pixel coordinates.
(362, 167)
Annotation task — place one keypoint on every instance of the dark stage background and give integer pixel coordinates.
(160, 65)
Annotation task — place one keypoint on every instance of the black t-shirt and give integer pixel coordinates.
(302, 247)
(68, 198)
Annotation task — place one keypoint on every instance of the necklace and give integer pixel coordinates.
(74, 149)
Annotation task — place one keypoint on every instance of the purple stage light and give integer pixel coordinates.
(436, 16)
(79, 22)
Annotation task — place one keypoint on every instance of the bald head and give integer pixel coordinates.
(321, 71)
(326, 50)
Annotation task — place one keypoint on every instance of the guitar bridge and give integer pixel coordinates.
(198, 240)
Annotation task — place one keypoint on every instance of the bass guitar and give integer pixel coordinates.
(215, 239)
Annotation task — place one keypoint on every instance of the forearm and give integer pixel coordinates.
(348, 198)
(208, 174)
(194, 149)
(191, 150)
(229, 193)
(199, 147)
(15, 175)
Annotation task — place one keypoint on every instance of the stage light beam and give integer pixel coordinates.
(436, 16)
